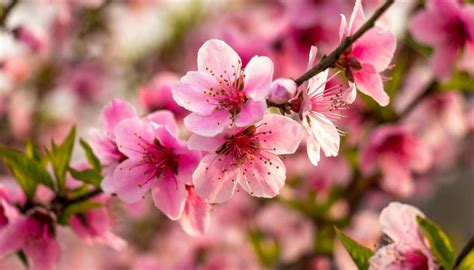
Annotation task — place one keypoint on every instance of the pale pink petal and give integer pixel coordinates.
(107, 184)
(369, 82)
(275, 133)
(442, 61)
(132, 136)
(251, 112)
(313, 53)
(43, 254)
(115, 112)
(187, 164)
(357, 18)
(426, 27)
(196, 216)
(258, 76)
(282, 90)
(208, 125)
(375, 47)
(105, 149)
(191, 92)
(324, 132)
(209, 144)
(263, 178)
(216, 57)
(11, 238)
(131, 180)
(393, 257)
(212, 182)
(313, 150)
(168, 140)
(165, 118)
(169, 196)
(398, 221)
(317, 83)
(343, 28)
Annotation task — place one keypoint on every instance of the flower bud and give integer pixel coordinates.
(282, 90)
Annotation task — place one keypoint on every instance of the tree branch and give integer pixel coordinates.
(7, 9)
(329, 61)
(464, 252)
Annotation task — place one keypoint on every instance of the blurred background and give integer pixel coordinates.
(61, 61)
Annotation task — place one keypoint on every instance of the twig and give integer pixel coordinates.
(8, 8)
(464, 252)
(329, 61)
(83, 197)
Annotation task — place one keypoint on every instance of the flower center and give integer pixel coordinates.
(458, 33)
(159, 159)
(241, 145)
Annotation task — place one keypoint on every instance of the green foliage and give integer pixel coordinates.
(75, 209)
(460, 81)
(266, 248)
(439, 242)
(60, 156)
(27, 170)
(359, 254)
(91, 157)
(468, 262)
(89, 176)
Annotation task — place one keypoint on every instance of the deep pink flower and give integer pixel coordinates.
(408, 249)
(196, 216)
(157, 161)
(367, 57)
(396, 152)
(248, 156)
(104, 144)
(319, 105)
(447, 26)
(222, 93)
(33, 234)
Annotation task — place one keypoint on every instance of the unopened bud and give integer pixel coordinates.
(282, 90)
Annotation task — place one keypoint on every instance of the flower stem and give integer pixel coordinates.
(464, 252)
(329, 60)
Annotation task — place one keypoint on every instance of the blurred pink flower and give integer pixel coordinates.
(157, 160)
(408, 249)
(196, 216)
(104, 142)
(318, 106)
(447, 26)
(367, 57)
(33, 41)
(396, 152)
(248, 156)
(221, 93)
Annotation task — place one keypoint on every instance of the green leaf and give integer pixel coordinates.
(33, 152)
(91, 157)
(60, 156)
(468, 262)
(75, 209)
(89, 176)
(359, 254)
(27, 171)
(266, 248)
(439, 242)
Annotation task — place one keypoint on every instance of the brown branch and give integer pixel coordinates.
(329, 60)
(464, 252)
(7, 9)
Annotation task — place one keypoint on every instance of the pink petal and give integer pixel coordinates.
(165, 118)
(169, 196)
(263, 178)
(317, 83)
(313, 150)
(251, 112)
(468, 18)
(398, 221)
(11, 237)
(275, 133)
(258, 76)
(357, 18)
(211, 182)
(132, 136)
(115, 112)
(166, 138)
(343, 31)
(427, 27)
(313, 53)
(190, 92)
(443, 59)
(196, 217)
(131, 180)
(324, 133)
(209, 144)
(369, 82)
(219, 58)
(375, 47)
(187, 164)
(107, 184)
(208, 125)
(105, 149)
(43, 254)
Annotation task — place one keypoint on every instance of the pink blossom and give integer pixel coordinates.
(447, 26)
(248, 156)
(34, 41)
(156, 161)
(222, 93)
(367, 57)
(196, 215)
(33, 234)
(319, 105)
(94, 226)
(396, 153)
(104, 143)
(282, 90)
(408, 249)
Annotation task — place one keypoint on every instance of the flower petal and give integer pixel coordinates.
(219, 58)
(43, 253)
(251, 112)
(263, 178)
(369, 82)
(188, 161)
(169, 196)
(196, 217)
(443, 59)
(313, 150)
(357, 18)
(427, 27)
(207, 125)
(132, 180)
(275, 133)
(215, 178)
(324, 133)
(192, 92)
(115, 112)
(375, 47)
(258, 76)
(165, 118)
(209, 144)
(133, 135)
